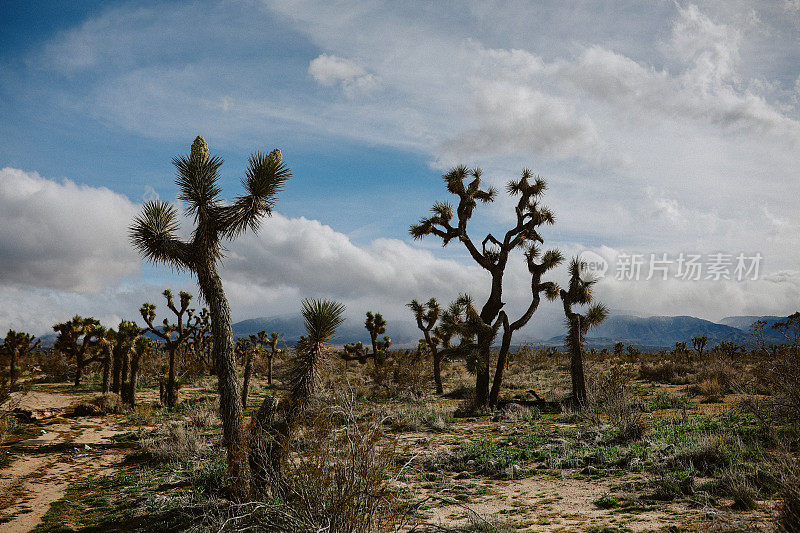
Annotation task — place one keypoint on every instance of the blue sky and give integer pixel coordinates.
(661, 128)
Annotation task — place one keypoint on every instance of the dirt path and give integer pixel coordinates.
(42, 468)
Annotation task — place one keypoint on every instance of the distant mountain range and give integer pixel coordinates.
(644, 332)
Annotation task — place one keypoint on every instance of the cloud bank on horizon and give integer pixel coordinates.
(669, 128)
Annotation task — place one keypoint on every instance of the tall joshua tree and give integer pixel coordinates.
(15, 346)
(426, 316)
(154, 234)
(123, 338)
(275, 422)
(493, 254)
(699, 343)
(77, 338)
(550, 259)
(173, 335)
(579, 293)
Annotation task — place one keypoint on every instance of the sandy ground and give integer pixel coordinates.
(40, 471)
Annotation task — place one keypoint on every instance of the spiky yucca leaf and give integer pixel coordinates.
(322, 317)
(263, 180)
(153, 235)
(552, 258)
(197, 181)
(595, 315)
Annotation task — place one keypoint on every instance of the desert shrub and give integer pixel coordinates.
(705, 454)
(339, 480)
(610, 394)
(399, 378)
(485, 456)
(461, 392)
(719, 370)
(174, 441)
(102, 404)
(782, 379)
(54, 365)
(787, 468)
(667, 400)
(109, 403)
(711, 390)
(668, 486)
(665, 372)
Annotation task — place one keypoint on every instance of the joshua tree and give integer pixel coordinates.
(263, 341)
(105, 342)
(550, 260)
(15, 346)
(493, 254)
(273, 348)
(579, 293)
(142, 349)
(699, 344)
(76, 338)
(123, 340)
(375, 325)
(173, 335)
(426, 316)
(275, 422)
(154, 234)
(619, 348)
(200, 340)
(248, 348)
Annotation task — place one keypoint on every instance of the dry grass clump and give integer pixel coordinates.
(611, 395)
(174, 441)
(417, 419)
(665, 372)
(202, 415)
(338, 480)
(736, 485)
(711, 390)
(518, 413)
(705, 454)
(788, 469)
(720, 371)
(102, 404)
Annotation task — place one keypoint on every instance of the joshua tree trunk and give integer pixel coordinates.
(575, 343)
(230, 406)
(124, 371)
(482, 379)
(437, 371)
(12, 370)
(116, 368)
(269, 366)
(502, 359)
(130, 390)
(248, 370)
(78, 369)
(170, 393)
(106, 372)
